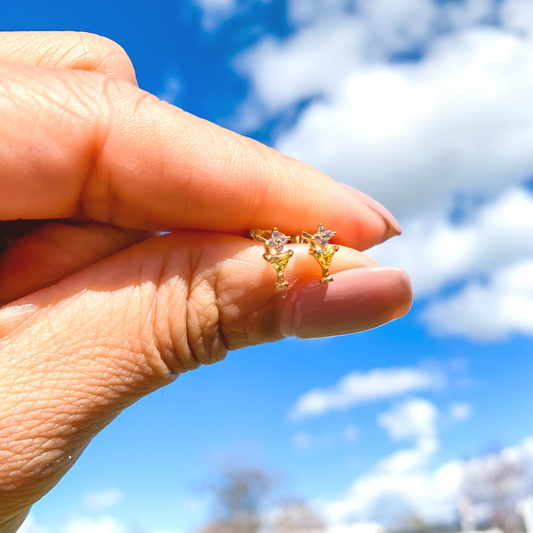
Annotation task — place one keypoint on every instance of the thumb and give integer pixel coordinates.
(73, 356)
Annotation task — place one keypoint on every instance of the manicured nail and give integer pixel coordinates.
(356, 300)
(394, 228)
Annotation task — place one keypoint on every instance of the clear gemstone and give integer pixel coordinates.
(329, 234)
(316, 237)
(272, 243)
(279, 247)
(284, 239)
(321, 229)
(323, 242)
(275, 234)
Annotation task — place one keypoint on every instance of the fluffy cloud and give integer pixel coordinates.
(104, 499)
(437, 252)
(83, 524)
(412, 134)
(413, 419)
(104, 524)
(31, 525)
(490, 311)
(415, 135)
(392, 496)
(400, 485)
(361, 387)
(518, 15)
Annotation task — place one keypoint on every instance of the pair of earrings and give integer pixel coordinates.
(319, 248)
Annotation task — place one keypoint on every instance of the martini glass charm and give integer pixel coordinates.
(274, 241)
(321, 250)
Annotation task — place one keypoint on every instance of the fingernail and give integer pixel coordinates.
(356, 300)
(394, 228)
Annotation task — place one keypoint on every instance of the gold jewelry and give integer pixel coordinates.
(319, 248)
(279, 259)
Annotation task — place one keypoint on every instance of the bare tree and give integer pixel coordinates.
(240, 497)
(247, 500)
(295, 516)
(497, 480)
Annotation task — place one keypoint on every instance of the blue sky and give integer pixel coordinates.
(425, 106)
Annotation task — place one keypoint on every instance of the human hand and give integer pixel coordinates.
(98, 310)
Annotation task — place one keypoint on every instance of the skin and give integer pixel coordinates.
(97, 307)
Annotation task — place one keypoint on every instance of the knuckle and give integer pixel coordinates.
(189, 336)
(100, 54)
(70, 49)
(203, 317)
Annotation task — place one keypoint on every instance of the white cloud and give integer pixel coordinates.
(303, 12)
(307, 69)
(393, 491)
(400, 484)
(391, 497)
(31, 525)
(103, 524)
(460, 411)
(410, 134)
(398, 24)
(436, 252)
(518, 15)
(488, 312)
(415, 418)
(83, 524)
(362, 387)
(414, 135)
(471, 12)
(103, 499)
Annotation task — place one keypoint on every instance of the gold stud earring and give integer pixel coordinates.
(320, 249)
(274, 240)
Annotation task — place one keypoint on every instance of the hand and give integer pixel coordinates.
(98, 310)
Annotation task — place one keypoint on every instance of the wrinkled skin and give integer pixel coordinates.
(97, 307)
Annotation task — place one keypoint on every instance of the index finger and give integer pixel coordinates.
(80, 144)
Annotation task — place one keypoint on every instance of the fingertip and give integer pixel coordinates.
(356, 300)
(393, 227)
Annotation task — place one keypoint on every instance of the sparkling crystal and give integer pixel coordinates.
(323, 242)
(275, 234)
(284, 239)
(279, 247)
(321, 229)
(316, 237)
(272, 243)
(326, 257)
(328, 234)
(279, 262)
